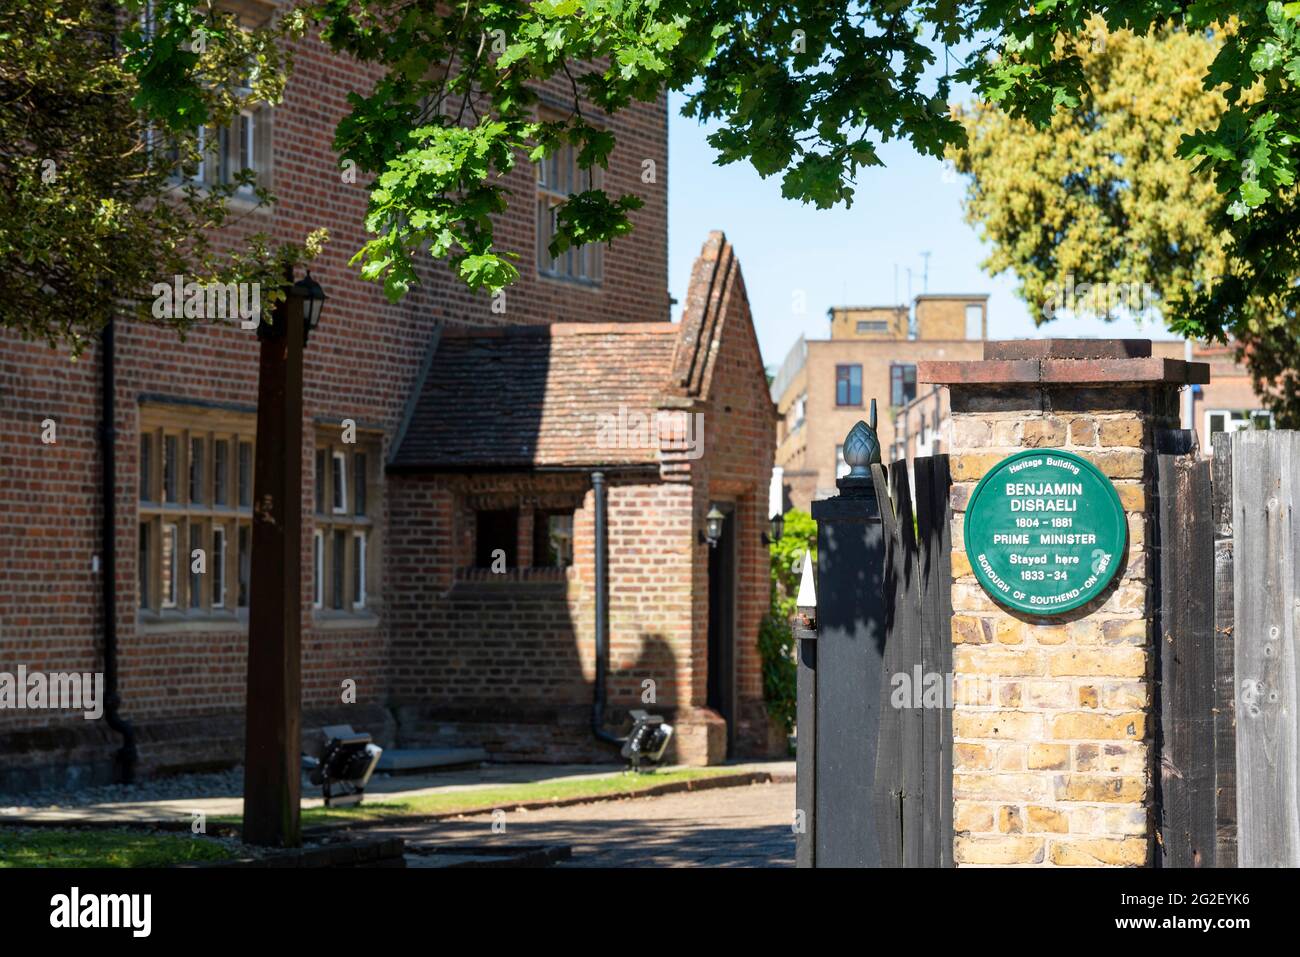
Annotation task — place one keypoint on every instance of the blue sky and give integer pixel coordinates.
(838, 256)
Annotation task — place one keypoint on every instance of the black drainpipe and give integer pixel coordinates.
(602, 612)
(126, 756)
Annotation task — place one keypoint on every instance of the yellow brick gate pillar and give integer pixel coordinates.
(1053, 717)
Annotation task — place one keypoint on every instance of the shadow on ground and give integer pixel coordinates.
(732, 827)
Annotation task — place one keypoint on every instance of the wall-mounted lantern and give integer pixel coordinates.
(712, 533)
(309, 295)
(313, 302)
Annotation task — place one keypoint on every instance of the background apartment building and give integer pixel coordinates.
(824, 386)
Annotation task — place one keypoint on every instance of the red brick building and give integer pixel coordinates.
(461, 432)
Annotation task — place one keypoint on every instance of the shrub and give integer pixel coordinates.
(776, 643)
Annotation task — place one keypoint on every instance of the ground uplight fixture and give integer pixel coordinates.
(647, 740)
(346, 762)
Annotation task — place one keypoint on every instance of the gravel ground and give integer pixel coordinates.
(213, 784)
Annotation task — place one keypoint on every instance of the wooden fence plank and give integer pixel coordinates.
(887, 782)
(942, 615)
(1265, 471)
(904, 661)
(935, 563)
(1225, 727)
(923, 470)
(1185, 662)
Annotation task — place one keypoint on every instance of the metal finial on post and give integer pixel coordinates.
(862, 447)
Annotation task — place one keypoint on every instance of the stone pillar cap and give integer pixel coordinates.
(1066, 362)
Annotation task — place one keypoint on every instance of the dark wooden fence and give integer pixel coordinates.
(913, 787)
(1226, 544)
(875, 780)
(1186, 678)
(881, 775)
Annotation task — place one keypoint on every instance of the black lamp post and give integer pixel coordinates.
(272, 749)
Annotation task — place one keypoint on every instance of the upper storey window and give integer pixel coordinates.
(558, 175)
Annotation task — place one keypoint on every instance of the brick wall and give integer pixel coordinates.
(507, 661)
(49, 536)
(361, 364)
(845, 319)
(739, 429)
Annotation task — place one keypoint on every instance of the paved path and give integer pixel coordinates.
(404, 785)
(724, 827)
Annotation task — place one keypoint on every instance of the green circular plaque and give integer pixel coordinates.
(1045, 531)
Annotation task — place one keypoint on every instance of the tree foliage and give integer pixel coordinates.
(1099, 211)
(1099, 195)
(91, 216)
(437, 139)
(1273, 354)
(804, 89)
(1249, 151)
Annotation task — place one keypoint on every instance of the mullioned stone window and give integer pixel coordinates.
(345, 565)
(195, 482)
(558, 176)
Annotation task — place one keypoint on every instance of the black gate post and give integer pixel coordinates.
(851, 625)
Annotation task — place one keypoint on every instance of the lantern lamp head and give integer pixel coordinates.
(713, 525)
(313, 302)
